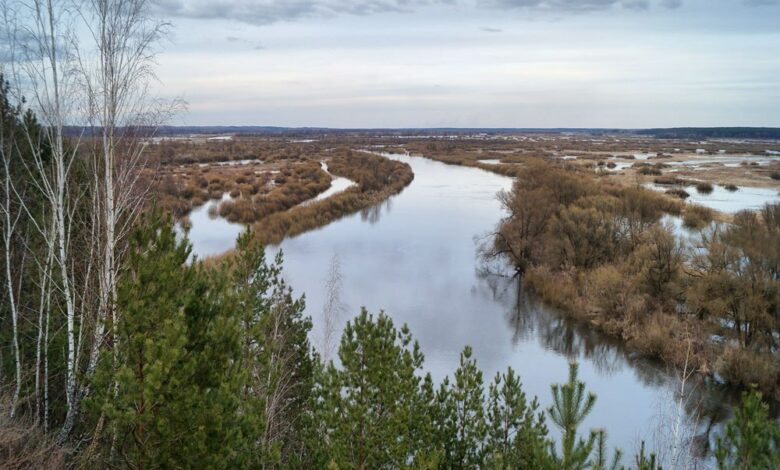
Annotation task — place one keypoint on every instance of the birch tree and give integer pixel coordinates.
(8, 223)
(117, 80)
(41, 70)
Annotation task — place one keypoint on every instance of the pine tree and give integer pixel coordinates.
(751, 439)
(517, 433)
(645, 462)
(600, 460)
(371, 410)
(172, 395)
(570, 407)
(464, 415)
(276, 355)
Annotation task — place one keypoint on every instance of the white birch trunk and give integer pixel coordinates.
(9, 226)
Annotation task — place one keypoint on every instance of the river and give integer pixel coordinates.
(414, 257)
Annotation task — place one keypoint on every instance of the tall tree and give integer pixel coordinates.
(125, 35)
(9, 221)
(41, 64)
(276, 355)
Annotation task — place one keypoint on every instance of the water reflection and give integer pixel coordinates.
(530, 318)
(373, 214)
(703, 403)
(208, 233)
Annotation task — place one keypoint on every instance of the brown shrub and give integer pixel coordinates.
(678, 192)
(649, 171)
(697, 216)
(557, 289)
(704, 187)
(671, 181)
(653, 336)
(745, 368)
(614, 294)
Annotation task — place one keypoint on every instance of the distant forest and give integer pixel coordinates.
(667, 133)
(714, 132)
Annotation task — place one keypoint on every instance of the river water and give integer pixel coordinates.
(414, 257)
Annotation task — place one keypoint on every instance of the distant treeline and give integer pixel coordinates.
(714, 132)
(665, 133)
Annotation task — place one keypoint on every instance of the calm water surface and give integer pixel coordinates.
(723, 200)
(414, 257)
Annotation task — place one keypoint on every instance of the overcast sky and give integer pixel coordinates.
(474, 63)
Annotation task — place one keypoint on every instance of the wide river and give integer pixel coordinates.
(415, 257)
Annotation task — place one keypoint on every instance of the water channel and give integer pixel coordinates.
(415, 257)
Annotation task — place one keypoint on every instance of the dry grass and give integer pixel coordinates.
(24, 446)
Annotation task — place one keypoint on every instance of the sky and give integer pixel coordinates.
(473, 63)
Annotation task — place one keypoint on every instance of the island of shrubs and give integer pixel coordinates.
(377, 179)
(601, 254)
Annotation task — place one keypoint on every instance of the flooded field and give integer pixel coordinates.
(723, 200)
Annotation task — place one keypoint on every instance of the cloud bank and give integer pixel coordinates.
(265, 12)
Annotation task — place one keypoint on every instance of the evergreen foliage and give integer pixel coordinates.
(751, 439)
(172, 392)
(214, 370)
(570, 407)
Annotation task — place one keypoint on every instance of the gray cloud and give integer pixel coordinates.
(237, 40)
(488, 29)
(263, 12)
(576, 6)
